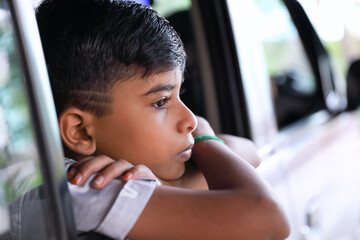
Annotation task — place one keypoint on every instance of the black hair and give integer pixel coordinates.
(89, 45)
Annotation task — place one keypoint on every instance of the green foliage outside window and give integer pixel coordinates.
(168, 7)
(19, 166)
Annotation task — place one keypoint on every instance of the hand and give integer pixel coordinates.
(203, 128)
(106, 169)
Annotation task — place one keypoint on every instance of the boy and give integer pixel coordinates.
(116, 71)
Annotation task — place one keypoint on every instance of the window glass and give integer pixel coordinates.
(340, 34)
(168, 7)
(19, 161)
(293, 83)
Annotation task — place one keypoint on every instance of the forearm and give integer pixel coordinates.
(223, 169)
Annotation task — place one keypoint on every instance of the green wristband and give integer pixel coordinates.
(200, 138)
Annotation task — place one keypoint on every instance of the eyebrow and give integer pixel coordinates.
(160, 88)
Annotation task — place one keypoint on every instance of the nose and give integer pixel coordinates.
(188, 121)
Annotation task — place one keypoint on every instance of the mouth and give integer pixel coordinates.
(186, 153)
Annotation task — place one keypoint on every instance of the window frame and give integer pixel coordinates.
(43, 118)
(334, 101)
(215, 24)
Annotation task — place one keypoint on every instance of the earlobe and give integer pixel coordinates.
(76, 130)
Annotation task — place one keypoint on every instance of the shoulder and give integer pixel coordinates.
(112, 210)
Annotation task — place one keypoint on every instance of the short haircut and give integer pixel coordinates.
(89, 45)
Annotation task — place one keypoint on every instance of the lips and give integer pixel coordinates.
(186, 154)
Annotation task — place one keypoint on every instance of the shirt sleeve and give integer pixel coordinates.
(127, 208)
(113, 210)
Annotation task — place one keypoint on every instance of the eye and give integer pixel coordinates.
(161, 104)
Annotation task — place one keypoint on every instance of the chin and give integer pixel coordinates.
(174, 175)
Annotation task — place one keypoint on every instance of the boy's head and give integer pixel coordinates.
(90, 45)
(116, 69)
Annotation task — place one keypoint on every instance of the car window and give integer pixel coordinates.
(340, 35)
(169, 7)
(19, 159)
(34, 199)
(293, 83)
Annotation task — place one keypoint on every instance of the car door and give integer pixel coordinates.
(295, 104)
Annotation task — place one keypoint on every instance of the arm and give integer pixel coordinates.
(239, 204)
(243, 147)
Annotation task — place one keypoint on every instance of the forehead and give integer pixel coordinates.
(138, 84)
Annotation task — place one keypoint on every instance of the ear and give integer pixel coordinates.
(77, 131)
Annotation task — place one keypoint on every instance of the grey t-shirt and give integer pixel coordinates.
(111, 211)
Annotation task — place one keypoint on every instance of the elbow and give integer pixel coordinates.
(282, 232)
(266, 220)
(251, 155)
(276, 222)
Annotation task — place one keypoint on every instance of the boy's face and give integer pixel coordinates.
(148, 125)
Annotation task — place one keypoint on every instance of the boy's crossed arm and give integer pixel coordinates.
(238, 204)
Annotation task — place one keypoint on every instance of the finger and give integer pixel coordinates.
(71, 173)
(110, 172)
(73, 168)
(85, 169)
(138, 171)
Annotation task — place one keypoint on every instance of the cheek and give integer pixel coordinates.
(140, 139)
(153, 147)
(147, 137)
